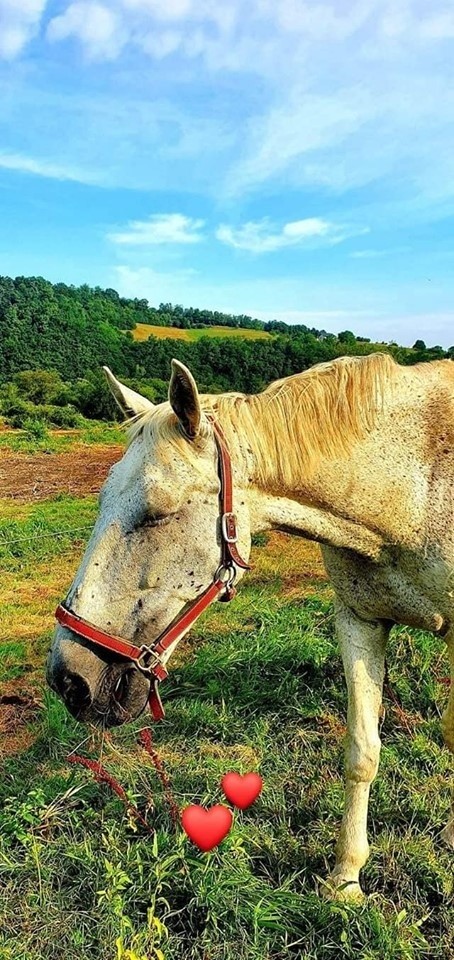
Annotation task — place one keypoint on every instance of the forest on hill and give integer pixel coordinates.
(66, 333)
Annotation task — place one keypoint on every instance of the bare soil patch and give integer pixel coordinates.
(39, 476)
(17, 712)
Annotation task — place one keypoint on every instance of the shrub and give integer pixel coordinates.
(93, 398)
(64, 416)
(10, 402)
(16, 414)
(153, 388)
(35, 428)
(22, 413)
(40, 386)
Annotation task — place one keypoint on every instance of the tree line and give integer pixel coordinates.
(71, 332)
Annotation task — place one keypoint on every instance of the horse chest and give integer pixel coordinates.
(415, 590)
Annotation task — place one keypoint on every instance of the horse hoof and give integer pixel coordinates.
(337, 888)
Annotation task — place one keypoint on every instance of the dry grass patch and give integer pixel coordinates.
(143, 331)
(235, 753)
(28, 602)
(297, 562)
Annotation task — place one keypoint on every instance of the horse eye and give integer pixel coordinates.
(157, 521)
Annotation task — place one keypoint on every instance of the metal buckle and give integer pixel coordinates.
(155, 660)
(228, 526)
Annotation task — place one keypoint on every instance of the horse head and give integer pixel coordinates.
(155, 546)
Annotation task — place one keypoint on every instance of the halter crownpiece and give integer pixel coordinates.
(148, 658)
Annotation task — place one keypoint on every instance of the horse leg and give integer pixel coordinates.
(448, 734)
(362, 646)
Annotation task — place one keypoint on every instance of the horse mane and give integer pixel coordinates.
(294, 422)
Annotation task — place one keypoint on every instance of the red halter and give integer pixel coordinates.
(148, 659)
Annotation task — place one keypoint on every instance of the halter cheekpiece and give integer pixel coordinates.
(148, 658)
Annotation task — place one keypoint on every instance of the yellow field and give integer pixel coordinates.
(145, 330)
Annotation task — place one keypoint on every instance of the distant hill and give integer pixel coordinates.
(75, 330)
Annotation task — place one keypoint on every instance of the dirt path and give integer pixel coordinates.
(30, 477)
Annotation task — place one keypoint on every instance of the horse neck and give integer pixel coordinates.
(250, 469)
(362, 485)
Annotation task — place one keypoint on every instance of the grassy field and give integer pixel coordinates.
(257, 686)
(145, 330)
(56, 441)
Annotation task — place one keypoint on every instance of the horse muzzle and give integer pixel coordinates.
(106, 693)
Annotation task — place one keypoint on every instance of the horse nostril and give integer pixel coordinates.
(75, 692)
(122, 686)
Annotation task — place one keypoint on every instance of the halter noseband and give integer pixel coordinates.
(148, 659)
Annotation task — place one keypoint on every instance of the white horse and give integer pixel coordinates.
(357, 454)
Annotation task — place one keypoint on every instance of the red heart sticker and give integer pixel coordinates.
(242, 790)
(206, 828)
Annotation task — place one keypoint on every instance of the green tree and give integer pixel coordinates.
(93, 398)
(40, 386)
(346, 336)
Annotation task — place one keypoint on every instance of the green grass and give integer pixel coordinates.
(12, 657)
(44, 530)
(258, 687)
(93, 431)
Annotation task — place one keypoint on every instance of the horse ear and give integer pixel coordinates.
(130, 402)
(184, 399)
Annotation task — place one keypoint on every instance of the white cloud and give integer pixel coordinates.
(160, 228)
(353, 135)
(406, 21)
(129, 138)
(197, 28)
(321, 19)
(19, 21)
(172, 11)
(162, 44)
(302, 93)
(303, 126)
(253, 37)
(104, 30)
(439, 27)
(259, 236)
(44, 168)
(94, 24)
(161, 9)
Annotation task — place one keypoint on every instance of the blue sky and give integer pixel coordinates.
(280, 158)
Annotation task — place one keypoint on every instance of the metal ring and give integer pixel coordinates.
(230, 570)
(155, 659)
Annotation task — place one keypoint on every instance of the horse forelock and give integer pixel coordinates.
(157, 423)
